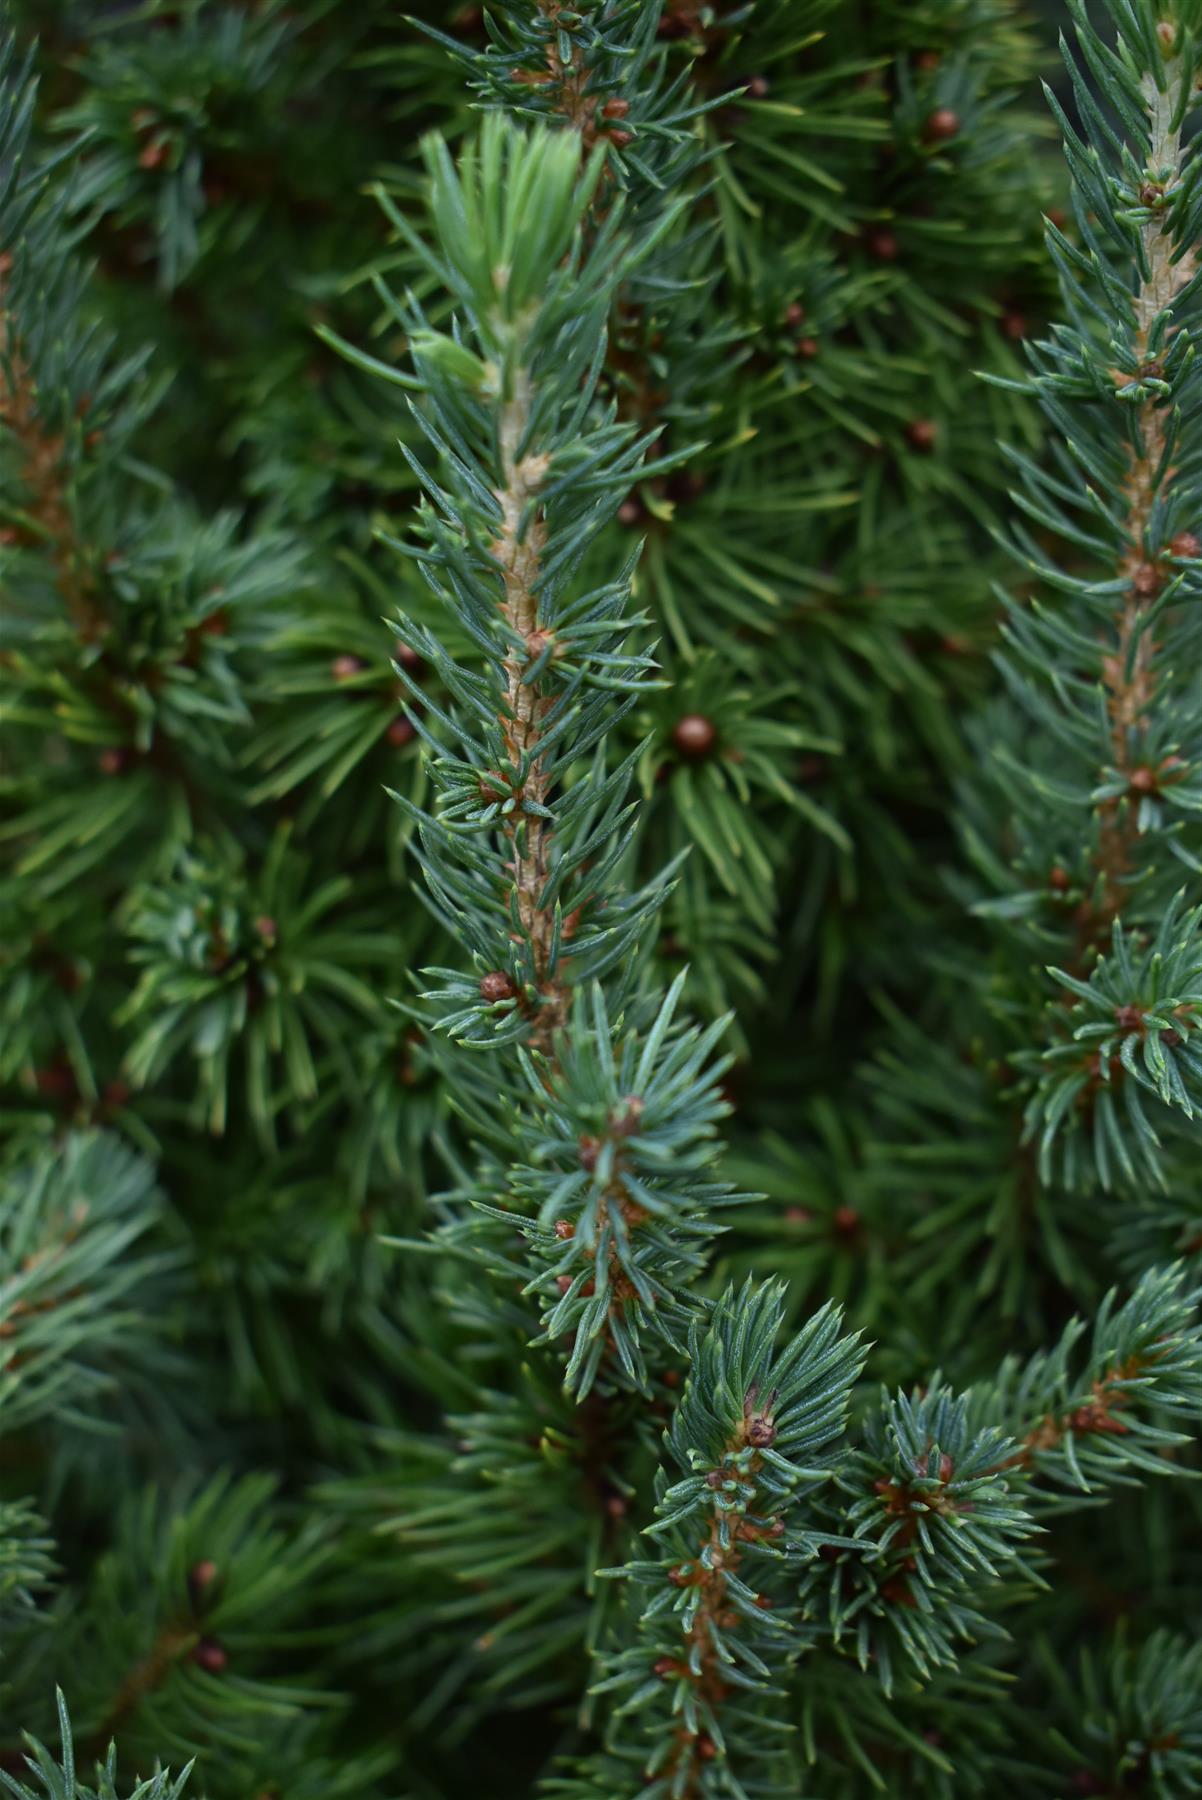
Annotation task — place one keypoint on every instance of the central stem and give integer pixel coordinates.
(519, 553)
(1129, 672)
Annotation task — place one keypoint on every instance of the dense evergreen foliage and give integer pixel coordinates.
(600, 947)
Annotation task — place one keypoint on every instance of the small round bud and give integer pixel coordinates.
(665, 1666)
(497, 986)
(694, 737)
(410, 661)
(1014, 326)
(926, 60)
(401, 732)
(344, 667)
(1143, 779)
(111, 762)
(883, 245)
(619, 139)
(761, 1433)
(795, 312)
(202, 1575)
(807, 347)
(757, 88)
(615, 108)
(1128, 1018)
(564, 1228)
(267, 928)
(846, 1220)
(630, 512)
(942, 125)
(1059, 880)
(706, 1748)
(763, 1602)
(1185, 544)
(210, 1656)
(563, 1283)
(590, 1149)
(922, 435)
(1166, 32)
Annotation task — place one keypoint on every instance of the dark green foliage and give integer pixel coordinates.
(575, 583)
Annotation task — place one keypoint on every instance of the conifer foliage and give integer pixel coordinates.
(600, 959)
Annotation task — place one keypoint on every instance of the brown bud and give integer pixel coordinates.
(210, 1656)
(624, 1120)
(116, 1093)
(1166, 31)
(201, 1577)
(671, 1378)
(154, 154)
(942, 124)
(761, 1433)
(706, 1748)
(922, 435)
(630, 512)
(763, 1602)
(496, 986)
(344, 667)
(615, 108)
(715, 1478)
(1128, 1018)
(401, 732)
(883, 245)
(1014, 325)
(807, 347)
(795, 312)
(111, 762)
(615, 1506)
(590, 1149)
(927, 60)
(563, 1283)
(619, 139)
(1185, 544)
(757, 88)
(666, 1666)
(410, 661)
(267, 928)
(1058, 879)
(1143, 779)
(1147, 580)
(694, 737)
(564, 1228)
(845, 1220)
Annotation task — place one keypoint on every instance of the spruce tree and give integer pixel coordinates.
(600, 965)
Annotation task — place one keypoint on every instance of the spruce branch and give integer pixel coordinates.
(55, 1778)
(1168, 264)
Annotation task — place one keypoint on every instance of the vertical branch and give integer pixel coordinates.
(1129, 671)
(519, 552)
(42, 472)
